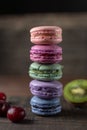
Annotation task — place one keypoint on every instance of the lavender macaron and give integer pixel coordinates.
(46, 90)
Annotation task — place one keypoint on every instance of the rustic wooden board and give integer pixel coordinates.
(69, 119)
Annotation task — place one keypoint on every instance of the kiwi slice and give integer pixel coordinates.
(76, 91)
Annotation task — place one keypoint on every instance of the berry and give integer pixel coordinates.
(2, 96)
(16, 114)
(4, 106)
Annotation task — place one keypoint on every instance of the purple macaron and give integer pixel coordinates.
(46, 90)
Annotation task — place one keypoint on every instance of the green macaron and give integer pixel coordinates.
(45, 72)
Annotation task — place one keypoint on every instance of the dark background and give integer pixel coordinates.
(35, 6)
(17, 17)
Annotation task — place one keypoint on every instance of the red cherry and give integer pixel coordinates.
(2, 96)
(4, 106)
(16, 114)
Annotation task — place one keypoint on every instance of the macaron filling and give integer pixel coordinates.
(49, 108)
(46, 34)
(50, 72)
(45, 112)
(48, 56)
(46, 73)
(46, 91)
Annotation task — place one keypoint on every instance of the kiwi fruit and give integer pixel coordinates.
(76, 91)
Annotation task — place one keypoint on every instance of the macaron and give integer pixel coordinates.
(45, 107)
(45, 72)
(75, 92)
(46, 35)
(46, 90)
(46, 53)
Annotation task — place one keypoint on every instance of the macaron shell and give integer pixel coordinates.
(52, 28)
(46, 35)
(35, 100)
(46, 53)
(53, 48)
(46, 90)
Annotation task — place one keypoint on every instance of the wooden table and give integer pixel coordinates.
(16, 88)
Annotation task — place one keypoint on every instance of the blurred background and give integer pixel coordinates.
(18, 17)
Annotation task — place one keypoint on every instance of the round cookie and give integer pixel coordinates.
(45, 72)
(45, 107)
(46, 35)
(46, 53)
(46, 90)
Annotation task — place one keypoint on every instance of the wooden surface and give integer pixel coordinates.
(14, 55)
(16, 88)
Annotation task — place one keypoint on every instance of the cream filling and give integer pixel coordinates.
(46, 34)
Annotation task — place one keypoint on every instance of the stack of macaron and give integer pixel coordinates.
(46, 70)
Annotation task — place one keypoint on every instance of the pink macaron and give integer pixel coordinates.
(46, 35)
(46, 53)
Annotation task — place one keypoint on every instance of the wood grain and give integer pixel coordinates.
(70, 118)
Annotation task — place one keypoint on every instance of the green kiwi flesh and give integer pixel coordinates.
(76, 91)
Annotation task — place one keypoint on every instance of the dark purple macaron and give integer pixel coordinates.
(46, 90)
